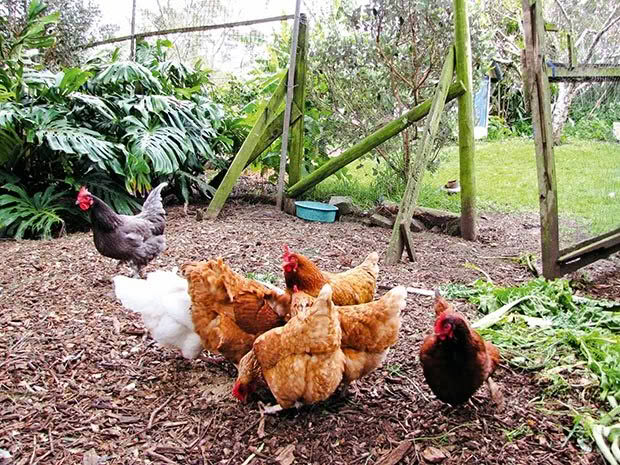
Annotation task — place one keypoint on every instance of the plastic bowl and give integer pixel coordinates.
(316, 211)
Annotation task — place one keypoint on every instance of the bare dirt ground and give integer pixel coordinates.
(81, 381)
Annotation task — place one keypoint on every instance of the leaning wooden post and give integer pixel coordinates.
(540, 103)
(253, 139)
(270, 134)
(425, 146)
(296, 156)
(466, 121)
(370, 142)
(287, 108)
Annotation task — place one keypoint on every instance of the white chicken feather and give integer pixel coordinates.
(164, 303)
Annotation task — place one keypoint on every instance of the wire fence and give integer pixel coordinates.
(218, 34)
(227, 37)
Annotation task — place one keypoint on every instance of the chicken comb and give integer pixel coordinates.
(439, 323)
(83, 191)
(287, 252)
(440, 305)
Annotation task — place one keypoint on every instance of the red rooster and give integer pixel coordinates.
(455, 359)
(134, 240)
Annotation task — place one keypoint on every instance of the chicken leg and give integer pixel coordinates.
(137, 271)
(496, 393)
(273, 409)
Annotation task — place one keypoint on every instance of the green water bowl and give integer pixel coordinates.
(315, 211)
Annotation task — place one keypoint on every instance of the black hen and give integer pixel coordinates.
(134, 240)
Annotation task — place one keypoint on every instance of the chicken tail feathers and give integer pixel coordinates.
(440, 305)
(133, 293)
(153, 205)
(372, 262)
(396, 299)
(163, 301)
(162, 293)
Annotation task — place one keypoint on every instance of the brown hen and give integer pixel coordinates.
(301, 361)
(228, 310)
(351, 287)
(455, 360)
(368, 330)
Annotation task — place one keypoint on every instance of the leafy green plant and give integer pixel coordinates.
(266, 277)
(118, 126)
(498, 129)
(590, 129)
(561, 336)
(39, 215)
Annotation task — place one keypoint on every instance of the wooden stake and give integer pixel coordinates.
(296, 156)
(264, 121)
(540, 101)
(466, 121)
(416, 171)
(133, 32)
(269, 135)
(287, 109)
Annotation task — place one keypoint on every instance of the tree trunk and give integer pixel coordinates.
(567, 91)
(560, 110)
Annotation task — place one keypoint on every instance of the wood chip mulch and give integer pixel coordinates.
(81, 382)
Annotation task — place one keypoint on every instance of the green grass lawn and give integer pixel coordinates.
(588, 177)
(587, 173)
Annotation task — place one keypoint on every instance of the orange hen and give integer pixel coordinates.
(301, 362)
(368, 330)
(351, 287)
(455, 360)
(228, 310)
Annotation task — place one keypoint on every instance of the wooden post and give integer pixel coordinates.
(466, 121)
(572, 51)
(287, 108)
(270, 134)
(526, 81)
(425, 146)
(247, 149)
(370, 142)
(296, 156)
(540, 102)
(132, 45)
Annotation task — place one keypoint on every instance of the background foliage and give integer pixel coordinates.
(115, 125)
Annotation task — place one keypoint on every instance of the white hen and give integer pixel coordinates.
(164, 303)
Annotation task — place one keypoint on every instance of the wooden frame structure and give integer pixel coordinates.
(270, 126)
(537, 75)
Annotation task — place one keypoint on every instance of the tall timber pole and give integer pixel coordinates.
(289, 103)
(466, 121)
(132, 46)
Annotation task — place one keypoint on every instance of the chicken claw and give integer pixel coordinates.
(272, 409)
(496, 393)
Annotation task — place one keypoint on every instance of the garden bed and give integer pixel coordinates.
(83, 383)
